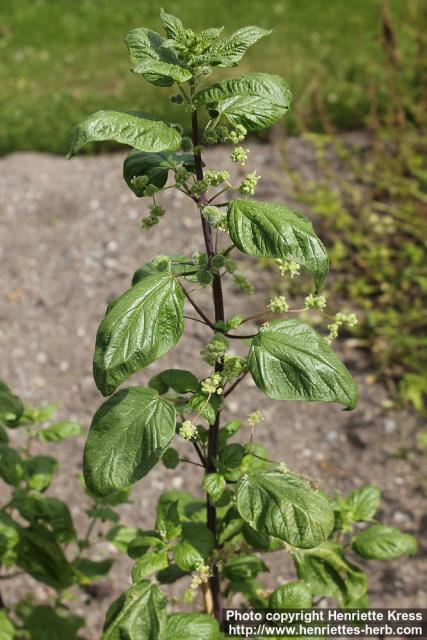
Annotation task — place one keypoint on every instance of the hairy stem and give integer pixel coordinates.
(219, 316)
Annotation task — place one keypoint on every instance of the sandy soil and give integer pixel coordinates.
(69, 243)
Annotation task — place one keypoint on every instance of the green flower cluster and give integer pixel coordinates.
(188, 430)
(182, 176)
(213, 384)
(315, 302)
(215, 349)
(223, 134)
(215, 217)
(215, 178)
(279, 304)
(340, 319)
(234, 366)
(288, 266)
(156, 212)
(239, 155)
(248, 185)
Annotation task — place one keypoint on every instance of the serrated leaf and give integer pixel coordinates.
(155, 166)
(11, 407)
(7, 631)
(363, 503)
(157, 64)
(171, 574)
(122, 536)
(138, 614)
(39, 472)
(39, 555)
(180, 380)
(292, 595)
(9, 537)
(172, 25)
(12, 469)
(255, 100)
(168, 522)
(228, 52)
(383, 543)
(289, 360)
(60, 431)
(271, 230)
(53, 512)
(206, 407)
(131, 129)
(244, 567)
(143, 541)
(196, 543)
(46, 623)
(89, 571)
(261, 541)
(189, 508)
(140, 326)
(128, 435)
(284, 506)
(328, 574)
(192, 626)
(179, 265)
(149, 563)
(214, 484)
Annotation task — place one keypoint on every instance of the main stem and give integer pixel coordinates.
(218, 301)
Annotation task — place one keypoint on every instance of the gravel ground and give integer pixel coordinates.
(69, 243)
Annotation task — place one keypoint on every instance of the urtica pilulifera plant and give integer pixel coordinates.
(254, 504)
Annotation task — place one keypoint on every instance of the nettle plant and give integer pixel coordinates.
(38, 537)
(253, 504)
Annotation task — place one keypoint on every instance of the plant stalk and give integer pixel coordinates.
(218, 301)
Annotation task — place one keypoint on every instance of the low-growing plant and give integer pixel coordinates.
(254, 503)
(38, 536)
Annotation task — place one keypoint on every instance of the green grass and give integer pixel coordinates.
(63, 59)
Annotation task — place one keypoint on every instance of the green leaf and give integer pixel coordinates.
(383, 543)
(143, 541)
(122, 536)
(292, 595)
(270, 230)
(284, 506)
(11, 407)
(197, 541)
(40, 555)
(9, 538)
(168, 522)
(149, 563)
(261, 542)
(156, 63)
(228, 431)
(155, 166)
(363, 503)
(172, 25)
(140, 326)
(208, 409)
(139, 614)
(132, 129)
(105, 514)
(4, 438)
(231, 455)
(255, 100)
(180, 380)
(244, 567)
(39, 472)
(228, 52)
(170, 458)
(214, 484)
(179, 265)
(171, 574)
(11, 465)
(46, 623)
(90, 571)
(128, 435)
(189, 508)
(60, 431)
(53, 512)
(289, 360)
(328, 574)
(192, 626)
(7, 631)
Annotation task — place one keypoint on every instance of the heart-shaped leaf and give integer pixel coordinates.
(128, 435)
(140, 326)
(284, 506)
(290, 361)
(270, 230)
